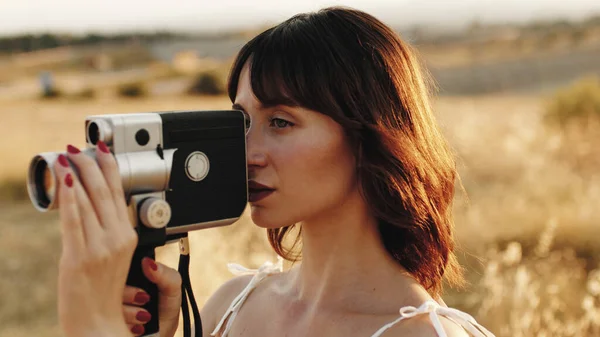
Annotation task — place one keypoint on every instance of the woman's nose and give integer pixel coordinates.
(255, 149)
(256, 159)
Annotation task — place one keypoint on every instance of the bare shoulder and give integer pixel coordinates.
(219, 301)
(422, 326)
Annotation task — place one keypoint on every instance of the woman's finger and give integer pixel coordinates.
(94, 185)
(72, 231)
(166, 278)
(136, 315)
(135, 296)
(136, 329)
(110, 170)
(92, 230)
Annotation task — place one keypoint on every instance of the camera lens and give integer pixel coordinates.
(97, 130)
(93, 133)
(43, 183)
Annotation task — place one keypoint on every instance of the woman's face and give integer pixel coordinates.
(302, 155)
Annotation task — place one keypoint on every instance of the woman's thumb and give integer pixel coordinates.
(167, 279)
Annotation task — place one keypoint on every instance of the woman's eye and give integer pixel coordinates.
(247, 120)
(280, 123)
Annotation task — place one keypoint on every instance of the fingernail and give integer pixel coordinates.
(141, 298)
(152, 264)
(69, 180)
(62, 160)
(143, 316)
(72, 149)
(137, 329)
(102, 147)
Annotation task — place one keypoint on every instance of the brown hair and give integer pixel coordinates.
(349, 65)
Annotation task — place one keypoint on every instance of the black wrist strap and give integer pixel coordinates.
(187, 293)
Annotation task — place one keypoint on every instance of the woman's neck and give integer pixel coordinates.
(344, 264)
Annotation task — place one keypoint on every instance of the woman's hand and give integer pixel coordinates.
(168, 281)
(98, 245)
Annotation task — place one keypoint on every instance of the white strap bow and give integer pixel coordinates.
(265, 270)
(435, 310)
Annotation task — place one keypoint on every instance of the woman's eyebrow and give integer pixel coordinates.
(237, 106)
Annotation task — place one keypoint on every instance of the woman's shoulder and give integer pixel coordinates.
(228, 291)
(433, 319)
(218, 303)
(225, 300)
(421, 326)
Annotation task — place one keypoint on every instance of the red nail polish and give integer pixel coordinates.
(152, 264)
(141, 298)
(62, 160)
(137, 329)
(72, 149)
(102, 147)
(143, 316)
(69, 180)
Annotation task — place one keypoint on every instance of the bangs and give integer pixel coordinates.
(287, 66)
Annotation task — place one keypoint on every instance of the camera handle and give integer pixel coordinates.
(153, 214)
(137, 278)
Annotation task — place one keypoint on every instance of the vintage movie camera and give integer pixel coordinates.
(180, 171)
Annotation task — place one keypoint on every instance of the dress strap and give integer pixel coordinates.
(435, 310)
(268, 268)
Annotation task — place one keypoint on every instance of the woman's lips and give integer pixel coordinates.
(258, 191)
(256, 195)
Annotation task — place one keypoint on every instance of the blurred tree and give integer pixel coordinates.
(207, 83)
(577, 103)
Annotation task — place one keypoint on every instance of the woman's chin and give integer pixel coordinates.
(265, 219)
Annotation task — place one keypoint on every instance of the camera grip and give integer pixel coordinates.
(136, 278)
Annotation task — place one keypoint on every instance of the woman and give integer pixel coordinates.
(342, 145)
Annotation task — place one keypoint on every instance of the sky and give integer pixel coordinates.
(106, 16)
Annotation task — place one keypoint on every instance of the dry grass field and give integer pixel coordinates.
(527, 222)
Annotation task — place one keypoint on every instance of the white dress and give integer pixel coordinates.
(432, 308)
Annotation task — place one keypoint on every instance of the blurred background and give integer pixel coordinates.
(518, 98)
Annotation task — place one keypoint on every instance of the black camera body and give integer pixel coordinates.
(207, 177)
(208, 180)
